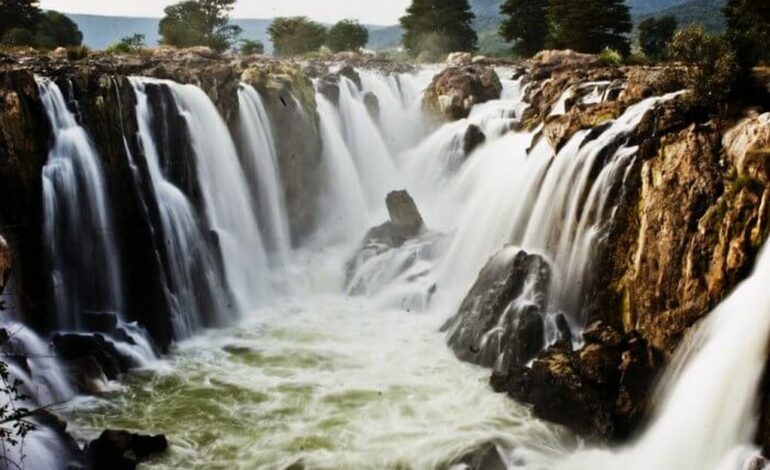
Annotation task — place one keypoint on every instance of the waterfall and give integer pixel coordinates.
(556, 205)
(229, 208)
(261, 165)
(196, 295)
(709, 409)
(81, 249)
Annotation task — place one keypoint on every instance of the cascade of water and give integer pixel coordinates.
(85, 272)
(554, 205)
(371, 155)
(195, 291)
(709, 410)
(261, 165)
(343, 203)
(226, 195)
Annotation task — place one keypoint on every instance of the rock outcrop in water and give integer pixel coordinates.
(122, 450)
(6, 263)
(456, 90)
(500, 323)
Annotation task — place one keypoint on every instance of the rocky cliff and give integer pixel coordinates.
(686, 228)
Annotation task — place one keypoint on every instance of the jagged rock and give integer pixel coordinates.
(601, 333)
(564, 58)
(372, 104)
(456, 90)
(73, 347)
(640, 365)
(488, 325)
(330, 89)
(122, 450)
(559, 129)
(474, 137)
(747, 146)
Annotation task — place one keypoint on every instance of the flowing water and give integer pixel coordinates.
(325, 377)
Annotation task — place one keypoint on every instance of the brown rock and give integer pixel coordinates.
(122, 450)
(456, 90)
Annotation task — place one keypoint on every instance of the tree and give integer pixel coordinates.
(55, 29)
(128, 44)
(18, 14)
(296, 35)
(748, 30)
(199, 23)
(712, 66)
(655, 34)
(347, 35)
(446, 24)
(526, 22)
(250, 47)
(589, 25)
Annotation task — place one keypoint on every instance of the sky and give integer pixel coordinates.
(384, 12)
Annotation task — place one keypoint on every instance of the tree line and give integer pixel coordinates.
(23, 23)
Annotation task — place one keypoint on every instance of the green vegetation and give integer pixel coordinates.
(347, 35)
(655, 34)
(251, 47)
(526, 23)
(589, 25)
(22, 23)
(610, 57)
(436, 27)
(748, 30)
(712, 66)
(296, 35)
(583, 25)
(199, 23)
(128, 45)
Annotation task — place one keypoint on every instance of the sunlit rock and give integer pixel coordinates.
(456, 90)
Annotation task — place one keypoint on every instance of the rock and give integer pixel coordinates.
(372, 104)
(456, 90)
(6, 263)
(474, 137)
(59, 53)
(599, 364)
(348, 71)
(563, 333)
(100, 322)
(72, 347)
(459, 58)
(640, 365)
(599, 332)
(747, 146)
(559, 129)
(562, 58)
(559, 393)
(404, 215)
(330, 89)
(122, 450)
(485, 456)
(488, 328)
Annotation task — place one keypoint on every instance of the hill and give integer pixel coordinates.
(706, 12)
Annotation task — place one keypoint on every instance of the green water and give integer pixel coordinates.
(327, 383)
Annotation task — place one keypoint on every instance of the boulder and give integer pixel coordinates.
(485, 456)
(122, 450)
(350, 72)
(456, 90)
(372, 104)
(74, 347)
(495, 326)
(474, 137)
(404, 216)
(747, 146)
(564, 58)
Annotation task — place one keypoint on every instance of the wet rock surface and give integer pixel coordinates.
(500, 323)
(455, 90)
(122, 450)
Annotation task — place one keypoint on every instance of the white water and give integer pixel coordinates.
(85, 274)
(229, 209)
(194, 290)
(261, 163)
(339, 382)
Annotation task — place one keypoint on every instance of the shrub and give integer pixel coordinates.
(250, 47)
(610, 57)
(128, 45)
(712, 66)
(78, 52)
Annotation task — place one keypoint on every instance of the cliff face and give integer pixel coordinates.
(687, 226)
(106, 107)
